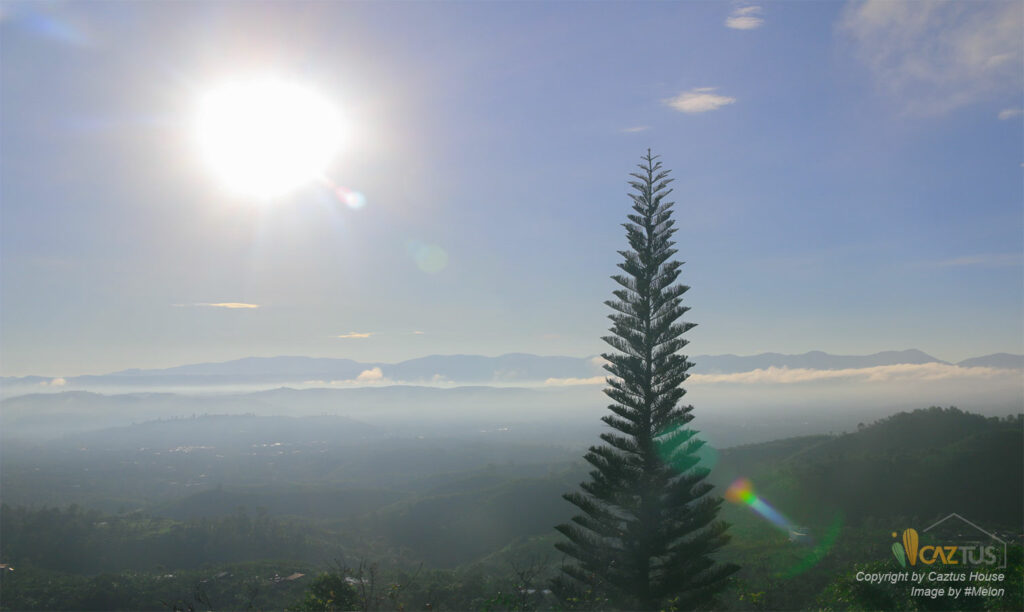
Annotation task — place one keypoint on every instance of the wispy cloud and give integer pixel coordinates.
(934, 57)
(699, 100)
(418, 333)
(1010, 113)
(232, 305)
(745, 18)
(635, 129)
(1002, 259)
(898, 372)
(355, 335)
(56, 382)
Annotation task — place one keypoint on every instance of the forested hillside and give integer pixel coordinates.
(459, 522)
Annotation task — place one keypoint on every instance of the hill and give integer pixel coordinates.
(926, 463)
(995, 360)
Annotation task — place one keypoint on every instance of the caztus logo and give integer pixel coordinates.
(908, 551)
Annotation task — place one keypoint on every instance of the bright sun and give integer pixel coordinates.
(265, 137)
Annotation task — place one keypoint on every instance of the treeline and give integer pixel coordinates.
(282, 585)
(81, 541)
(252, 586)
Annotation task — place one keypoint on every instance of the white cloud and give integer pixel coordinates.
(1010, 113)
(635, 129)
(899, 372)
(355, 335)
(566, 382)
(231, 305)
(372, 375)
(56, 382)
(418, 333)
(745, 18)
(934, 57)
(699, 100)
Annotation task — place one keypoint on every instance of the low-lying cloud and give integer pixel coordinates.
(906, 372)
(569, 382)
(373, 375)
(888, 373)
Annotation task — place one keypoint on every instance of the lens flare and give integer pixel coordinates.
(429, 258)
(680, 447)
(349, 197)
(817, 553)
(352, 199)
(48, 25)
(742, 492)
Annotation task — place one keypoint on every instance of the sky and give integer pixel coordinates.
(848, 178)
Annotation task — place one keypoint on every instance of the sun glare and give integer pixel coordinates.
(266, 137)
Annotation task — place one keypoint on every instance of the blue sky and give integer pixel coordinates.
(848, 178)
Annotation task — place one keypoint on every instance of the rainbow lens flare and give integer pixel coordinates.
(742, 492)
(352, 199)
(349, 197)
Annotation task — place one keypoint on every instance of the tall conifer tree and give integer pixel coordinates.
(648, 527)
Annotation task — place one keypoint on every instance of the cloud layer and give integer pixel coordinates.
(571, 382)
(889, 373)
(906, 372)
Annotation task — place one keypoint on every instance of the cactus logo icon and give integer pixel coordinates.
(952, 541)
(907, 551)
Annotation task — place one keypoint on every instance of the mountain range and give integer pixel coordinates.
(468, 369)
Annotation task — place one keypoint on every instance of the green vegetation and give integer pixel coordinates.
(480, 538)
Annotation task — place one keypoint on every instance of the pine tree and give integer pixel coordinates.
(648, 527)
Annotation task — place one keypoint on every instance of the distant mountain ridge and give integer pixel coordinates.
(995, 360)
(475, 369)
